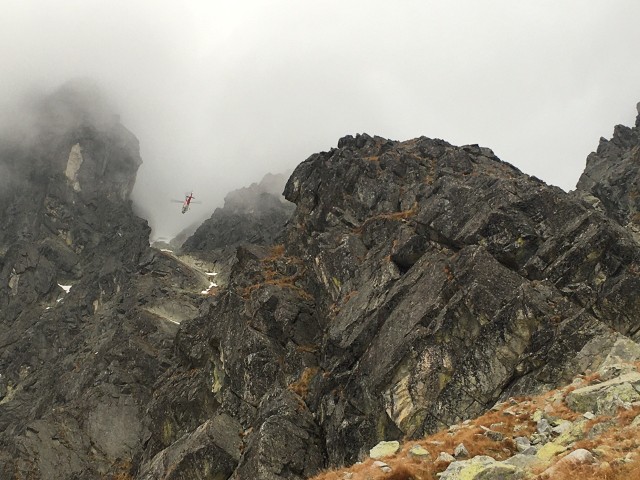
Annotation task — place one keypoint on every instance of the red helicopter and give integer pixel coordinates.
(188, 200)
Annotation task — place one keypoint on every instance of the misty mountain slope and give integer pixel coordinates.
(255, 214)
(81, 342)
(414, 285)
(417, 284)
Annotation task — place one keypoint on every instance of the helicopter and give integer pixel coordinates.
(188, 200)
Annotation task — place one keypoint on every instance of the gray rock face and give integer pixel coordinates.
(287, 443)
(255, 215)
(415, 285)
(79, 351)
(612, 175)
(211, 451)
(464, 323)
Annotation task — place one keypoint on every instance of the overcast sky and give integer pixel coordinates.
(220, 93)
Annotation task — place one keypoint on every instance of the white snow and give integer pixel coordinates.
(66, 289)
(211, 285)
(166, 250)
(211, 274)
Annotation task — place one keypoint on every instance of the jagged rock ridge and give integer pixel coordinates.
(80, 344)
(255, 214)
(417, 284)
(612, 176)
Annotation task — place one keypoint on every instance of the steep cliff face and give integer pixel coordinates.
(79, 345)
(416, 284)
(473, 281)
(612, 176)
(254, 214)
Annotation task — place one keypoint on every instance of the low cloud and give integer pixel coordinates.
(221, 93)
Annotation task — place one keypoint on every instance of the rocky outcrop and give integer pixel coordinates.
(255, 215)
(212, 451)
(417, 283)
(468, 278)
(611, 179)
(81, 342)
(535, 438)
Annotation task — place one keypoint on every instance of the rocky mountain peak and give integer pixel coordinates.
(72, 133)
(257, 197)
(70, 329)
(612, 176)
(368, 175)
(255, 214)
(402, 288)
(416, 284)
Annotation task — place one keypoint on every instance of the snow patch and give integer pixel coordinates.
(66, 288)
(166, 250)
(211, 285)
(211, 274)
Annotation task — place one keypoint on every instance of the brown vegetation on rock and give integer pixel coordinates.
(616, 448)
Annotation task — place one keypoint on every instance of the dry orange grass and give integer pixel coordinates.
(617, 448)
(611, 446)
(123, 470)
(407, 470)
(625, 417)
(590, 378)
(617, 441)
(122, 476)
(276, 251)
(470, 434)
(301, 387)
(307, 348)
(599, 471)
(272, 274)
(398, 216)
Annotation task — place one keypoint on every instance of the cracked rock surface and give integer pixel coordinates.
(413, 286)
